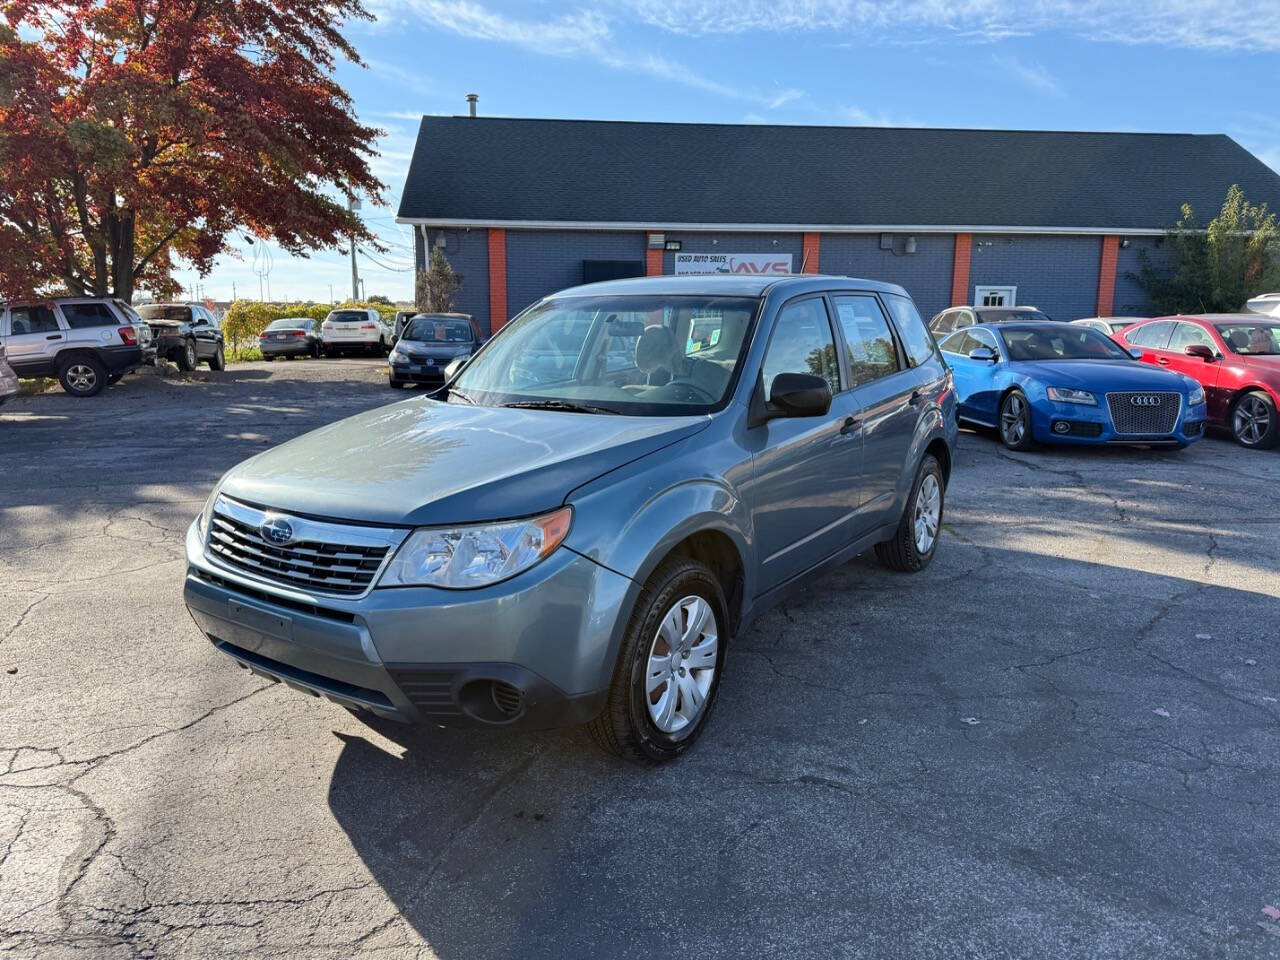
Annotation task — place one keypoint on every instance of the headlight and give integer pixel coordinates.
(206, 515)
(1067, 395)
(461, 557)
(1195, 396)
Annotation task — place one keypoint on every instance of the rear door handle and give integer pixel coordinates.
(1162, 361)
(916, 397)
(54, 336)
(851, 425)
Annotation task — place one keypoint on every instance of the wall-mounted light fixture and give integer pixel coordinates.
(1124, 242)
(673, 244)
(911, 245)
(441, 242)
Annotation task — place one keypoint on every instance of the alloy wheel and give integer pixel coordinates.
(927, 513)
(1251, 421)
(81, 377)
(681, 665)
(1013, 425)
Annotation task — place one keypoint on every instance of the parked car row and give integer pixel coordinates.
(1218, 369)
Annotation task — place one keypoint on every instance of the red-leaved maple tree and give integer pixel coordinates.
(131, 130)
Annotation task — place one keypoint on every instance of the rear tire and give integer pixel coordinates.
(219, 359)
(915, 541)
(83, 376)
(1015, 421)
(1253, 420)
(681, 600)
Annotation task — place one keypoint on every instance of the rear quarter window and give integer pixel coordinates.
(82, 315)
(916, 338)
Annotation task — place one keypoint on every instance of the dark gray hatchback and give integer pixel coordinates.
(573, 528)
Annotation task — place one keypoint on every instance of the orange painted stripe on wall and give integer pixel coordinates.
(497, 279)
(960, 270)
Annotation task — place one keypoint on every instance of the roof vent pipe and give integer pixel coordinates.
(472, 100)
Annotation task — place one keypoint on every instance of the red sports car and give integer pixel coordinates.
(1235, 356)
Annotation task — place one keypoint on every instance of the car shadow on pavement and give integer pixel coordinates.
(1076, 753)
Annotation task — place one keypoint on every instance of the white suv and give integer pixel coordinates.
(86, 342)
(356, 329)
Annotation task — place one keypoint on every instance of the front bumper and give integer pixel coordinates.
(536, 651)
(417, 372)
(1092, 425)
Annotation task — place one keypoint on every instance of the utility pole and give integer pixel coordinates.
(353, 205)
(233, 291)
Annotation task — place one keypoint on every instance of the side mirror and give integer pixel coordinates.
(1136, 352)
(799, 395)
(1200, 350)
(456, 364)
(983, 354)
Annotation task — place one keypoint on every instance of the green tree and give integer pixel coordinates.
(1218, 268)
(436, 286)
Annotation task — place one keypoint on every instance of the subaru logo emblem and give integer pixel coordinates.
(276, 530)
(1145, 400)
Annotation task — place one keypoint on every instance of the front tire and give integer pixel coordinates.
(395, 384)
(83, 376)
(669, 667)
(915, 541)
(1015, 421)
(187, 359)
(1253, 420)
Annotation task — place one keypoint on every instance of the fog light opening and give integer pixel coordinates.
(1061, 426)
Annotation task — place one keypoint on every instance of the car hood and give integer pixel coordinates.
(422, 462)
(1102, 375)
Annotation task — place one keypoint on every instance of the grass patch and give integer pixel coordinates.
(243, 354)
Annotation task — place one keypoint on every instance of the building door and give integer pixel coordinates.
(995, 296)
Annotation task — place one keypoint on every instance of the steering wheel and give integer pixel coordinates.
(689, 392)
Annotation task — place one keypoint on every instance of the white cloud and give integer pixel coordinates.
(1201, 24)
(587, 34)
(1033, 75)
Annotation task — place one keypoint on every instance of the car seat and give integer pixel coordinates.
(656, 355)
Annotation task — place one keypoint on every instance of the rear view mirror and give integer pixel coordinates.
(1135, 352)
(799, 395)
(983, 354)
(1199, 350)
(456, 364)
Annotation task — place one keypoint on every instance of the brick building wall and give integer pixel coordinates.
(1130, 297)
(468, 253)
(925, 274)
(540, 262)
(1058, 274)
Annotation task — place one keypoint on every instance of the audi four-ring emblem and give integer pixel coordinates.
(1145, 400)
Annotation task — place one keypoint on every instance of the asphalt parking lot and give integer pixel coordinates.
(1060, 740)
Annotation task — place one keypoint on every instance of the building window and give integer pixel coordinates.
(995, 296)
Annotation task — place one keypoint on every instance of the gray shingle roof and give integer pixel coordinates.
(663, 174)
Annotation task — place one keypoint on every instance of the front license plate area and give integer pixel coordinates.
(264, 621)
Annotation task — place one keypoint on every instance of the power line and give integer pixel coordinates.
(370, 257)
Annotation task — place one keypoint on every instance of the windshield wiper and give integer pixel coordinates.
(455, 392)
(564, 405)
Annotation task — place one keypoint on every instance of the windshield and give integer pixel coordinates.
(1256, 339)
(289, 323)
(636, 355)
(1059, 343)
(438, 330)
(158, 311)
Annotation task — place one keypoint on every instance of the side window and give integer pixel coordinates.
(81, 315)
(1153, 335)
(984, 338)
(802, 343)
(911, 329)
(958, 343)
(1185, 334)
(36, 319)
(964, 319)
(943, 323)
(868, 341)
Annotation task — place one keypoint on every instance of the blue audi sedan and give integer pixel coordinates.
(1064, 383)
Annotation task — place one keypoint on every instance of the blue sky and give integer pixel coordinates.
(1195, 66)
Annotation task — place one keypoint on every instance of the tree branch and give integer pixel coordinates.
(142, 263)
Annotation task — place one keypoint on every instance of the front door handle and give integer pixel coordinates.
(1163, 361)
(851, 425)
(54, 336)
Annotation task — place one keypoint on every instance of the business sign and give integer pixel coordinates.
(749, 263)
